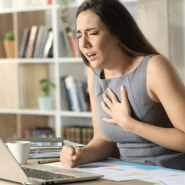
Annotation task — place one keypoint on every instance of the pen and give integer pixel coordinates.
(49, 161)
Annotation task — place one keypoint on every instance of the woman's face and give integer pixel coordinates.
(95, 40)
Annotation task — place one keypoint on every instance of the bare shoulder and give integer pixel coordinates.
(162, 77)
(159, 63)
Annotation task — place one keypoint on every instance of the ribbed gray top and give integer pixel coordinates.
(133, 148)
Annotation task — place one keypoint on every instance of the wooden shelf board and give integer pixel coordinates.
(45, 112)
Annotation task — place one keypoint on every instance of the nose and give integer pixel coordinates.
(85, 42)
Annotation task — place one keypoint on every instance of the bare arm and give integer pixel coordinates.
(100, 147)
(163, 81)
(164, 84)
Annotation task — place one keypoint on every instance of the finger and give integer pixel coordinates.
(105, 108)
(107, 100)
(66, 157)
(64, 161)
(123, 94)
(109, 120)
(69, 149)
(112, 95)
(77, 153)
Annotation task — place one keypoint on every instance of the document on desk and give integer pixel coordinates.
(121, 171)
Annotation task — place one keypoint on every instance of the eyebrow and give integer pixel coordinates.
(88, 29)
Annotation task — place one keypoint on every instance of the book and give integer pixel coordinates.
(78, 134)
(73, 44)
(42, 142)
(67, 43)
(78, 95)
(26, 133)
(42, 43)
(72, 93)
(31, 42)
(39, 35)
(65, 104)
(63, 50)
(82, 94)
(48, 46)
(76, 41)
(24, 43)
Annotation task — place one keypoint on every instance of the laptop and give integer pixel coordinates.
(36, 173)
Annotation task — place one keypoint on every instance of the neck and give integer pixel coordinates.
(121, 67)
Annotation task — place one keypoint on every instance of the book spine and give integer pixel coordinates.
(31, 42)
(73, 44)
(70, 53)
(78, 96)
(82, 96)
(63, 45)
(71, 88)
(24, 43)
(48, 45)
(42, 42)
(65, 101)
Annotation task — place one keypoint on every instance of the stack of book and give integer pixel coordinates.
(48, 147)
(77, 134)
(38, 132)
(37, 42)
(69, 43)
(74, 95)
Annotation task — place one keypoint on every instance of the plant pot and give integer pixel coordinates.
(45, 102)
(10, 49)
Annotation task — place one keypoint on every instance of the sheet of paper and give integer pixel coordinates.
(119, 171)
(173, 180)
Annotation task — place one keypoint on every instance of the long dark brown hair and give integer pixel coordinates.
(121, 24)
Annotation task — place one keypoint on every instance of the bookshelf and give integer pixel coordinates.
(19, 87)
(19, 106)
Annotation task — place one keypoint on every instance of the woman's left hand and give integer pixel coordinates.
(120, 112)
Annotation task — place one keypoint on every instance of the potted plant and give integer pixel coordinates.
(45, 102)
(9, 44)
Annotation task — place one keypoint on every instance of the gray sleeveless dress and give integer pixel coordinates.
(133, 148)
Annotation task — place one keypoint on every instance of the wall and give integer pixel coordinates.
(177, 35)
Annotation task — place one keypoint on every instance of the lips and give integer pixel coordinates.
(91, 55)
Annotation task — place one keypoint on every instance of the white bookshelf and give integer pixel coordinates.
(52, 14)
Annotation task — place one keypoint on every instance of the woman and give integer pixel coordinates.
(137, 98)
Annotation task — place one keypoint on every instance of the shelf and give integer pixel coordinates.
(27, 60)
(70, 60)
(49, 113)
(28, 9)
(42, 60)
(27, 111)
(76, 114)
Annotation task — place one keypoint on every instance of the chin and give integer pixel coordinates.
(96, 65)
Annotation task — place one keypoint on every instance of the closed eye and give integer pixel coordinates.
(94, 33)
(90, 34)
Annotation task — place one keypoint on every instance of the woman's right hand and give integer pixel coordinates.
(70, 156)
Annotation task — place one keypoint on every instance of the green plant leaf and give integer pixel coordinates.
(9, 36)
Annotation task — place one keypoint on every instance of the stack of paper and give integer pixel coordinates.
(115, 170)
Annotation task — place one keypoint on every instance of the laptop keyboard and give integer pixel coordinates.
(44, 175)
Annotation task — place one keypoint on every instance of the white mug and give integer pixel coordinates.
(20, 150)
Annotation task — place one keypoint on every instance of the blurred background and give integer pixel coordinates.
(43, 85)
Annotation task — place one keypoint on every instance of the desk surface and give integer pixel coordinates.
(94, 182)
